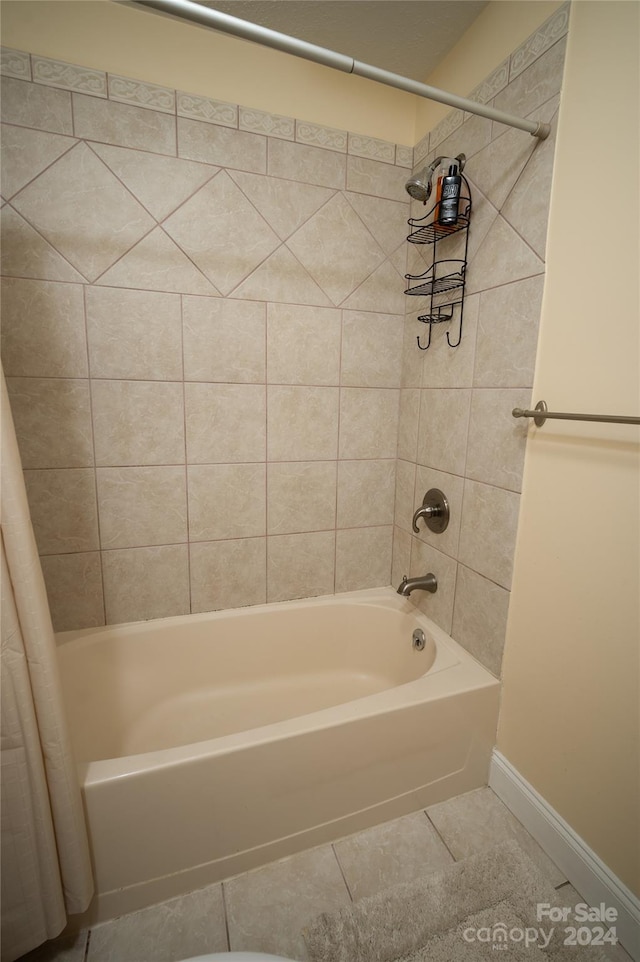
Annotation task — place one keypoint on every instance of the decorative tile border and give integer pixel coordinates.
(55, 73)
(15, 63)
(404, 156)
(142, 94)
(447, 125)
(317, 136)
(546, 35)
(372, 148)
(421, 149)
(492, 84)
(211, 111)
(272, 125)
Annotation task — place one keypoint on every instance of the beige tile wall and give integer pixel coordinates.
(202, 338)
(216, 401)
(456, 429)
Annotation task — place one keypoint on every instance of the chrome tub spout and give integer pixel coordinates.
(427, 582)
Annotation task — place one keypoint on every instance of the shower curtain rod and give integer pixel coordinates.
(245, 30)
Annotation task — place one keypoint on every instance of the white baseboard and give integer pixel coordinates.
(583, 868)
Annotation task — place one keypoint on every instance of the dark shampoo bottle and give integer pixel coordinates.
(448, 212)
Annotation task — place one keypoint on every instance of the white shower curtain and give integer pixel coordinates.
(46, 871)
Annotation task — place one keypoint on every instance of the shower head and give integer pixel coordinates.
(419, 185)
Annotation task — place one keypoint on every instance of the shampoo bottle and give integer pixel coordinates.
(450, 199)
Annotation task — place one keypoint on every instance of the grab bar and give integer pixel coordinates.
(541, 413)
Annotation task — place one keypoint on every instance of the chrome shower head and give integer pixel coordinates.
(419, 185)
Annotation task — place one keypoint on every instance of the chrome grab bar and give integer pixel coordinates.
(541, 413)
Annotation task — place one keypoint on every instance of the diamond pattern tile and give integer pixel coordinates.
(222, 233)
(158, 264)
(337, 249)
(25, 253)
(26, 153)
(160, 183)
(84, 211)
(285, 205)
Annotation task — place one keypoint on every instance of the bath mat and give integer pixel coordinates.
(467, 911)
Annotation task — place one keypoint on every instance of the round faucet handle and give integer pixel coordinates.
(434, 510)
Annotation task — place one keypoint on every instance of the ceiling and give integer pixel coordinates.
(408, 37)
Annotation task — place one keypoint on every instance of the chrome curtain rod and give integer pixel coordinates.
(245, 30)
(540, 415)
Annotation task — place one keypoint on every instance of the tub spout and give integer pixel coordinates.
(427, 582)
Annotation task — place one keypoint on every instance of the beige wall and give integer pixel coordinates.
(136, 43)
(140, 44)
(489, 41)
(569, 720)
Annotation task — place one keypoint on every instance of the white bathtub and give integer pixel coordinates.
(211, 744)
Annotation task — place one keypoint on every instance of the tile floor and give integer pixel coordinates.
(266, 909)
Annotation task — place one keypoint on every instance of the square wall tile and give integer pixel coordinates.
(488, 531)
(366, 493)
(226, 501)
(228, 574)
(368, 422)
(373, 177)
(138, 422)
(268, 909)
(452, 487)
(301, 496)
(74, 590)
(31, 105)
(225, 422)
(401, 561)
(480, 618)
(405, 494)
(310, 165)
(142, 506)
(62, 505)
(43, 330)
(52, 418)
(303, 345)
(300, 565)
(223, 146)
(438, 606)
(142, 583)
(496, 446)
(363, 558)
(302, 423)
(135, 335)
(444, 422)
(403, 850)
(508, 323)
(448, 367)
(371, 349)
(409, 420)
(223, 340)
(124, 125)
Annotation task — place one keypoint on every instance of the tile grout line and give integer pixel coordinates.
(93, 444)
(344, 877)
(435, 828)
(226, 914)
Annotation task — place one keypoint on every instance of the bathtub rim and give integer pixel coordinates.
(463, 668)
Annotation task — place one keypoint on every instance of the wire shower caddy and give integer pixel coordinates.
(443, 282)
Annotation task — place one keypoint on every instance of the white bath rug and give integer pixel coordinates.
(483, 908)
